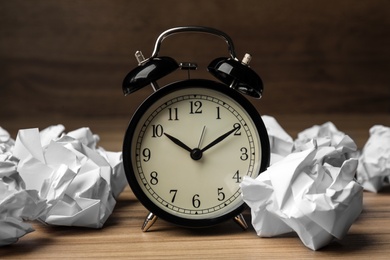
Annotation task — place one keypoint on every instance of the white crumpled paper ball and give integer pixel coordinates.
(326, 135)
(281, 143)
(78, 180)
(16, 204)
(311, 192)
(374, 162)
(6, 142)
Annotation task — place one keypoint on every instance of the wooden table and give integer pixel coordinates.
(121, 237)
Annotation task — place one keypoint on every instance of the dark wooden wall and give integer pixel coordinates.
(68, 58)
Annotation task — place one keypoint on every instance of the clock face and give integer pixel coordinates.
(187, 149)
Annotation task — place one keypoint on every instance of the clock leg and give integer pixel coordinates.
(239, 219)
(149, 221)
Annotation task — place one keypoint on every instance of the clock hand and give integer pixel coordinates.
(178, 142)
(201, 136)
(219, 139)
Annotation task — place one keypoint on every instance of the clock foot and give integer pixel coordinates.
(149, 221)
(239, 219)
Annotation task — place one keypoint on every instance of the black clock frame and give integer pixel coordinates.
(154, 97)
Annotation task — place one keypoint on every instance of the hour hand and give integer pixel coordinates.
(178, 142)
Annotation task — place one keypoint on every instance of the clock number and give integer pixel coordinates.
(173, 115)
(153, 178)
(146, 153)
(196, 201)
(237, 126)
(195, 107)
(221, 195)
(244, 154)
(174, 195)
(237, 177)
(157, 130)
(218, 113)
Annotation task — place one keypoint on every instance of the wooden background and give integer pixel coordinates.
(67, 59)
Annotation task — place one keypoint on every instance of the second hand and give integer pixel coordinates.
(202, 136)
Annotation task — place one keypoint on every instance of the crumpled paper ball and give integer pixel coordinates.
(78, 181)
(281, 143)
(311, 192)
(327, 129)
(16, 204)
(326, 134)
(6, 142)
(374, 163)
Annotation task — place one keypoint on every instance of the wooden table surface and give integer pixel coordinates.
(121, 236)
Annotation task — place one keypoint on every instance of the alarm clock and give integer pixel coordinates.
(189, 145)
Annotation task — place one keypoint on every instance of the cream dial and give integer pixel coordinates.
(189, 150)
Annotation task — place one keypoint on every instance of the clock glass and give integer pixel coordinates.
(188, 147)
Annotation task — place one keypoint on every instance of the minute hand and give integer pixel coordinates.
(219, 139)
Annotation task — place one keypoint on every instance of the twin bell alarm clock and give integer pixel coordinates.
(189, 145)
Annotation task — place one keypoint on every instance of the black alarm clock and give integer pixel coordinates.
(189, 145)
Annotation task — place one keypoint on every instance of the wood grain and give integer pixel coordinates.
(68, 58)
(121, 236)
